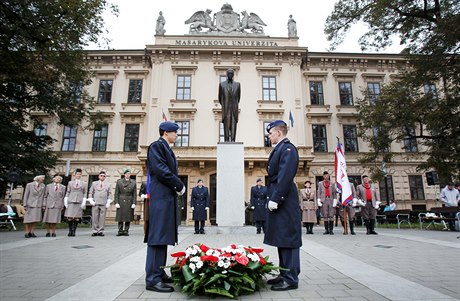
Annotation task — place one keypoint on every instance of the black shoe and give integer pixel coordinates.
(94, 234)
(47, 234)
(373, 232)
(26, 235)
(32, 234)
(275, 280)
(258, 232)
(160, 287)
(166, 279)
(53, 235)
(284, 286)
(119, 234)
(100, 234)
(126, 234)
(197, 232)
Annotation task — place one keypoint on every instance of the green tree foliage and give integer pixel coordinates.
(405, 110)
(42, 72)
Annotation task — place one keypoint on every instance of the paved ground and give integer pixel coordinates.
(394, 265)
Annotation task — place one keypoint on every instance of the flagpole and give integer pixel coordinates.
(344, 207)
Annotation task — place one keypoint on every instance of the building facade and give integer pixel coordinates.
(177, 79)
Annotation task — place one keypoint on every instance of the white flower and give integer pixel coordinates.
(220, 263)
(192, 267)
(199, 264)
(226, 265)
(224, 272)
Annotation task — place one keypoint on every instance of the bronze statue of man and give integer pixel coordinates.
(229, 97)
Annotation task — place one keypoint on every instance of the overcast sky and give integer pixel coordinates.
(135, 26)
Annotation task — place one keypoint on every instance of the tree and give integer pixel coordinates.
(43, 70)
(409, 109)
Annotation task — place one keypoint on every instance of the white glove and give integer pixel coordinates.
(355, 201)
(252, 207)
(334, 203)
(272, 205)
(83, 204)
(109, 201)
(117, 205)
(192, 208)
(66, 202)
(108, 204)
(206, 208)
(319, 203)
(377, 204)
(133, 206)
(143, 196)
(182, 191)
(91, 201)
(361, 203)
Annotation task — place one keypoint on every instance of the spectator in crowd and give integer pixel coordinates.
(390, 207)
(53, 203)
(33, 202)
(450, 197)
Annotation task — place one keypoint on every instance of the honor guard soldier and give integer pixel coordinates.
(258, 203)
(200, 206)
(308, 207)
(75, 201)
(53, 203)
(33, 202)
(326, 200)
(125, 202)
(368, 193)
(100, 196)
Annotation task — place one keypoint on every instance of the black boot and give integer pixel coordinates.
(331, 227)
(75, 226)
(352, 228)
(366, 222)
(326, 226)
(310, 230)
(126, 231)
(70, 228)
(372, 227)
(120, 229)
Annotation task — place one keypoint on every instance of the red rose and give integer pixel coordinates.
(178, 254)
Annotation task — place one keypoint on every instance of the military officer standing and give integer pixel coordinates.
(200, 206)
(54, 202)
(125, 202)
(368, 193)
(308, 207)
(258, 203)
(75, 201)
(283, 227)
(33, 202)
(326, 200)
(165, 185)
(100, 196)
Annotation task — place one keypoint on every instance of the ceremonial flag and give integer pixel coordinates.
(291, 119)
(164, 117)
(343, 184)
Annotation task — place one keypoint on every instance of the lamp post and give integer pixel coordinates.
(384, 170)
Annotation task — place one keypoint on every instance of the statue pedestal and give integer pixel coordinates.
(230, 184)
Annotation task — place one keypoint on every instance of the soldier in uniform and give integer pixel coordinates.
(54, 202)
(326, 199)
(200, 206)
(33, 202)
(368, 193)
(283, 227)
(125, 202)
(165, 185)
(350, 212)
(100, 196)
(308, 207)
(258, 203)
(75, 201)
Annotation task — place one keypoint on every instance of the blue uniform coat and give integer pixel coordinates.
(283, 225)
(259, 202)
(164, 185)
(200, 200)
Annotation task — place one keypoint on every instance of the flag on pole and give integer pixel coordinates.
(164, 117)
(291, 119)
(343, 184)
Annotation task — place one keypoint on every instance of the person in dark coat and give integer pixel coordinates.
(165, 185)
(200, 206)
(125, 202)
(258, 203)
(283, 226)
(229, 98)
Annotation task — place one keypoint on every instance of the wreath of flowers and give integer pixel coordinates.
(231, 271)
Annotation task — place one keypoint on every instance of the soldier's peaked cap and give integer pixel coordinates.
(275, 123)
(169, 126)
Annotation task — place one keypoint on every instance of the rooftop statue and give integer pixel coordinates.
(252, 21)
(160, 30)
(226, 21)
(292, 27)
(199, 20)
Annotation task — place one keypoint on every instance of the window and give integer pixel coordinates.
(131, 138)
(410, 143)
(40, 131)
(183, 133)
(416, 188)
(269, 88)
(267, 142)
(389, 187)
(356, 180)
(100, 138)
(319, 138)
(135, 91)
(69, 138)
(76, 91)
(381, 139)
(373, 92)
(184, 84)
(221, 132)
(350, 138)
(105, 91)
(430, 88)
(345, 94)
(316, 93)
